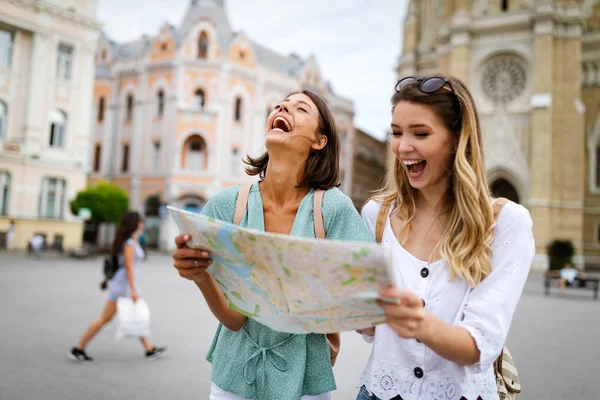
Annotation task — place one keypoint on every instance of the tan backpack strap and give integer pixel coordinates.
(241, 204)
(318, 215)
(497, 207)
(381, 217)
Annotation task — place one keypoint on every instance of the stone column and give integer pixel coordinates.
(37, 115)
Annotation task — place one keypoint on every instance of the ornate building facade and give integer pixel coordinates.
(47, 51)
(533, 67)
(176, 112)
(370, 156)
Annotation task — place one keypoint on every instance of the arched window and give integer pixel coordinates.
(160, 100)
(4, 192)
(238, 109)
(504, 5)
(195, 156)
(269, 110)
(597, 166)
(503, 188)
(101, 109)
(58, 127)
(235, 162)
(97, 157)
(3, 119)
(199, 98)
(203, 45)
(129, 111)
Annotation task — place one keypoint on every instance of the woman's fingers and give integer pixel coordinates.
(184, 253)
(181, 240)
(192, 263)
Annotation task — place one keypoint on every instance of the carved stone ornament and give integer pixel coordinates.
(504, 78)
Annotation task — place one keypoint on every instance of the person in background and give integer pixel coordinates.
(10, 235)
(568, 274)
(37, 245)
(122, 284)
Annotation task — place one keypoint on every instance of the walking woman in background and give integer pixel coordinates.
(462, 258)
(122, 284)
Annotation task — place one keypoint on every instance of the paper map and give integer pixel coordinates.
(292, 284)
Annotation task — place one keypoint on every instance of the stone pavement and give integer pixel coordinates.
(45, 306)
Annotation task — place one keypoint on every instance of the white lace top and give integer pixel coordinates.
(408, 368)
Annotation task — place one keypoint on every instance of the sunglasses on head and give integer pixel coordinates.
(427, 85)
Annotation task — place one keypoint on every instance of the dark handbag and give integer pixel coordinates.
(110, 267)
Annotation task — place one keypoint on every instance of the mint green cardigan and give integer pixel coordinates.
(257, 362)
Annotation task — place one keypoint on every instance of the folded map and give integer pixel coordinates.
(293, 284)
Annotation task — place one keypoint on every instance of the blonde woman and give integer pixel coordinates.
(461, 272)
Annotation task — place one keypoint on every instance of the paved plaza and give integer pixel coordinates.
(45, 305)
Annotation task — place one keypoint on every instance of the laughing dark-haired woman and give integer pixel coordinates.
(297, 195)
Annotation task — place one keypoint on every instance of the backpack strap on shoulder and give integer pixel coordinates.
(318, 214)
(381, 218)
(497, 206)
(241, 204)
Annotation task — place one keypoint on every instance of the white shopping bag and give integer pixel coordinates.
(133, 319)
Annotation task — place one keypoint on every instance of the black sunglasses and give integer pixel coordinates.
(427, 85)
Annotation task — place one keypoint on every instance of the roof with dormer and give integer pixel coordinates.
(213, 10)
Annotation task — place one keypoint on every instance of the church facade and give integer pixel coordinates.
(176, 112)
(533, 67)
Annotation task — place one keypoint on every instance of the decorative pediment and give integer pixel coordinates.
(242, 52)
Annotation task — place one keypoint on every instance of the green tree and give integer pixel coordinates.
(106, 201)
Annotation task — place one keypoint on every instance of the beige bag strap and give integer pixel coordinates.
(241, 204)
(381, 217)
(497, 207)
(318, 215)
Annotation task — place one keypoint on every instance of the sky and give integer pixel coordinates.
(356, 43)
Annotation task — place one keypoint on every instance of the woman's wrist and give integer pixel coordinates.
(425, 333)
(203, 279)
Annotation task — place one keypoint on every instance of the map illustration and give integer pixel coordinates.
(292, 284)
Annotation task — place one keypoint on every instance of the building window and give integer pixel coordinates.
(238, 109)
(103, 56)
(97, 155)
(160, 99)
(203, 45)
(504, 5)
(4, 192)
(6, 45)
(101, 109)
(156, 157)
(64, 61)
(195, 154)
(235, 162)
(52, 198)
(125, 159)
(269, 111)
(199, 98)
(597, 167)
(3, 120)
(58, 127)
(129, 110)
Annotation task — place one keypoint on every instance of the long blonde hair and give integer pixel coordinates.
(468, 225)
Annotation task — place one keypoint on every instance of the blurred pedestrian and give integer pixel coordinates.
(10, 235)
(37, 245)
(122, 284)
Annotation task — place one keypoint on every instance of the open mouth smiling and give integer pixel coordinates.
(280, 124)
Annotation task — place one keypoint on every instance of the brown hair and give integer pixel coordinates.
(468, 225)
(127, 226)
(321, 169)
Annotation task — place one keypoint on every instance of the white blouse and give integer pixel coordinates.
(410, 369)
